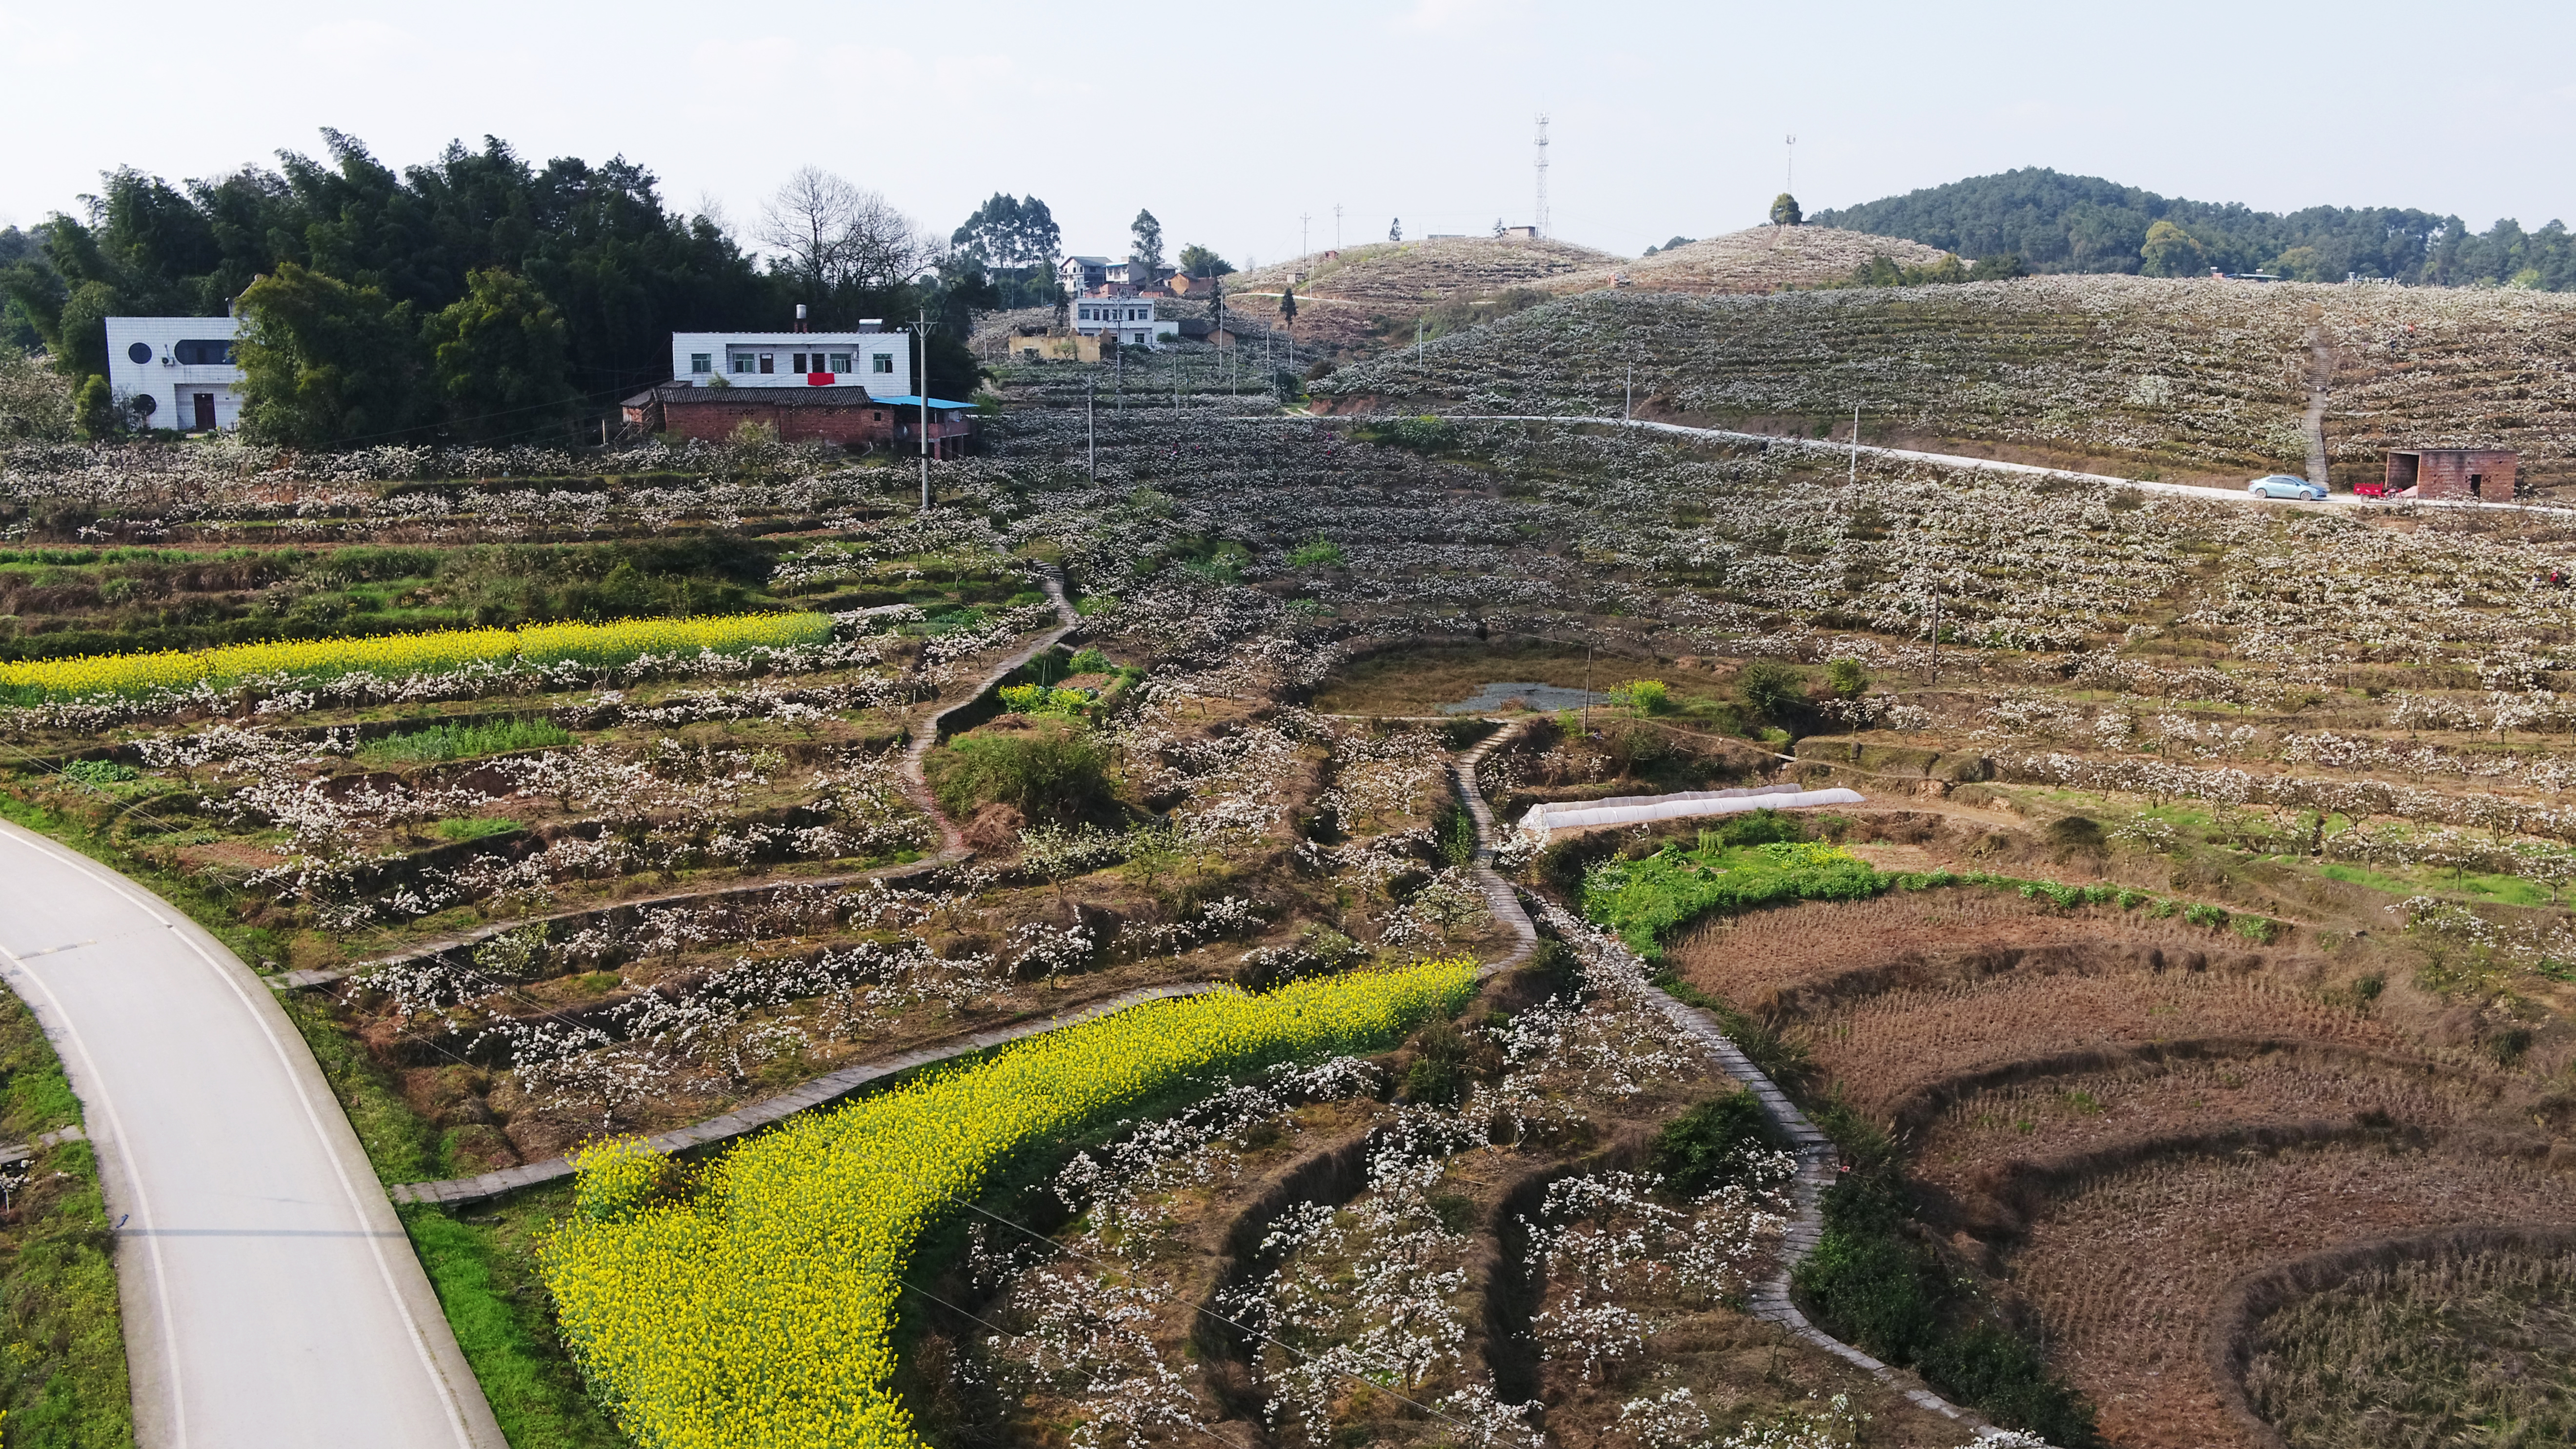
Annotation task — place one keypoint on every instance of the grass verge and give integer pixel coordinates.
(484, 1268)
(63, 1380)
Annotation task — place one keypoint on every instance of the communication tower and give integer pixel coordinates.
(1539, 222)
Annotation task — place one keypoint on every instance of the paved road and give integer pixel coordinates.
(271, 1299)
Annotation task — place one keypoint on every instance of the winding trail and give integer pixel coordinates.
(1818, 1161)
(270, 1297)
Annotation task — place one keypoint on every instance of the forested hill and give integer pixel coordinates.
(2060, 223)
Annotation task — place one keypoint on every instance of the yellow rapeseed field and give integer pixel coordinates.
(396, 655)
(755, 1312)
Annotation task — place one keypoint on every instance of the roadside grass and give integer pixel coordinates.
(484, 1268)
(63, 1382)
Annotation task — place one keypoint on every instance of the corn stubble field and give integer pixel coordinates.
(2206, 917)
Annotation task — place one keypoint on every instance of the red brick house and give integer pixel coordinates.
(2479, 473)
(847, 416)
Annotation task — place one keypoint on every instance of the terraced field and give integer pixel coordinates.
(2230, 928)
(2174, 379)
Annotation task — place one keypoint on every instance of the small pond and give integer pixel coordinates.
(1528, 692)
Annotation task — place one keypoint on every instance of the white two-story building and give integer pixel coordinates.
(872, 358)
(1128, 321)
(175, 372)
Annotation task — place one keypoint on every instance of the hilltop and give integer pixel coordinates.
(1346, 295)
(2060, 223)
(1756, 259)
(1373, 295)
(2179, 379)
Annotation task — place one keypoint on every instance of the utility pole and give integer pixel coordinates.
(1122, 369)
(1792, 186)
(1337, 226)
(1855, 458)
(921, 382)
(1303, 251)
(1936, 633)
(1090, 427)
(1628, 411)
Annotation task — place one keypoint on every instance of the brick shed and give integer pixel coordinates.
(847, 416)
(2482, 473)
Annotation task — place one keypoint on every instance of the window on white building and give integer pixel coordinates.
(702, 362)
(881, 362)
(840, 363)
(769, 362)
(742, 362)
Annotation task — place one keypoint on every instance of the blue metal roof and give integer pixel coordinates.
(915, 401)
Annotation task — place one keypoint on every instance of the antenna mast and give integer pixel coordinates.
(1539, 222)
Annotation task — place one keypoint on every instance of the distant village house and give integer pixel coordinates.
(175, 372)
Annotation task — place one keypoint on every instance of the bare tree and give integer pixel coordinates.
(835, 234)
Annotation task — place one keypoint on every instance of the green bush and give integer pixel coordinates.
(99, 772)
(1645, 696)
(1770, 689)
(1316, 552)
(1051, 773)
(1873, 1285)
(1847, 678)
(1699, 1149)
(1438, 1075)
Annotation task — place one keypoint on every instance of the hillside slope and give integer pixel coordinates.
(2061, 223)
(1343, 297)
(2182, 378)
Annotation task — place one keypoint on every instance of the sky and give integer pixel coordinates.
(1247, 127)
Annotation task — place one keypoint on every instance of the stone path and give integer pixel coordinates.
(821, 1091)
(1818, 1161)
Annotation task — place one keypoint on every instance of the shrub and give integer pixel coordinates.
(1770, 689)
(1874, 1286)
(1699, 1149)
(1316, 553)
(1053, 773)
(99, 772)
(1847, 678)
(1438, 1074)
(1645, 696)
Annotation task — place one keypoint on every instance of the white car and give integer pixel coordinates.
(2282, 485)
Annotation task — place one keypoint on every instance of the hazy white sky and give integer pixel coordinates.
(1231, 120)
